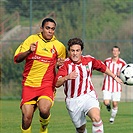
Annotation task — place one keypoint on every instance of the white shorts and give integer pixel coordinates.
(78, 107)
(114, 96)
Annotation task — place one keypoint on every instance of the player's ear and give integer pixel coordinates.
(41, 28)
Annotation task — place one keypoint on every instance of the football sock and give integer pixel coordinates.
(44, 124)
(26, 131)
(114, 112)
(108, 107)
(97, 127)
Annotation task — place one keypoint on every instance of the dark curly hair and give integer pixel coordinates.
(75, 41)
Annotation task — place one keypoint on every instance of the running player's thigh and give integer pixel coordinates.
(94, 114)
(106, 95)
(28, 109)
(44, 103)
(116, 96)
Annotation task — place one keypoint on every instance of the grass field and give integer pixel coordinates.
(10, 117)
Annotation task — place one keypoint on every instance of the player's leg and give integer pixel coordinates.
(113, 113)
(76, 112)
(44, 106)
(93, 111)
(106, 99)
(81, 129)
(116, 99)
(107, 104)
(94, 115)
(27, 115)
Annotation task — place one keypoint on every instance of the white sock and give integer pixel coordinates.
(114, 112)
(97, 127)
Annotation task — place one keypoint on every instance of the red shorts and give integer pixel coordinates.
(33, 93)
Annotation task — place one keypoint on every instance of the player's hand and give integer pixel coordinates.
(60, 62)
(72, 75)
(33, 46)
(118, 80)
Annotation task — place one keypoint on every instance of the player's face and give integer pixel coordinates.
(115, 52)
(75, 53)
(48, 30)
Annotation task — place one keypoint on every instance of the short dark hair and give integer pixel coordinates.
(48, 20)
(75, 41)
(116, 47)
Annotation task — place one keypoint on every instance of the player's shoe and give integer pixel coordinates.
(108, 107)
(111, 120)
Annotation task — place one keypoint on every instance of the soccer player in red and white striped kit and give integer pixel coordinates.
(112, 89)
(81, 99)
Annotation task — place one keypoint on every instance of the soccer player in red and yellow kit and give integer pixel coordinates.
(81, 99)
(41, 53)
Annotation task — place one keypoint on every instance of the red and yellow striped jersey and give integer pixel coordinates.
(39, 68)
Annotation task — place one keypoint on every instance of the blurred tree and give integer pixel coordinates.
(40, 8)
(10, 71)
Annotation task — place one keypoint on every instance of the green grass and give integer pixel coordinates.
(10, 118)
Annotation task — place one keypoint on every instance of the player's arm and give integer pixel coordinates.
(60, 62)
(23, 55)
(62, 80)
(108, 72)
(62, 54)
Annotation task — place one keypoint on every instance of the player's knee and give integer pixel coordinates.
(27, 118)
(115, 104)
(44, 113)
(106, 102)
(96, 118)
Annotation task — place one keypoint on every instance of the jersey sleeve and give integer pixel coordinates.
(62, 71)
(104, 62)
(124, 63)
(23, 46)
(61, 49)
(99, 65)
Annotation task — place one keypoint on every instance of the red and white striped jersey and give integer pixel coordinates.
(109, 83)
(82, 84)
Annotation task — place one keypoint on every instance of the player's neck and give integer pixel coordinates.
(115, 59)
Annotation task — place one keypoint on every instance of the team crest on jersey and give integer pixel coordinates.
(52, 51)
(87, 68)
